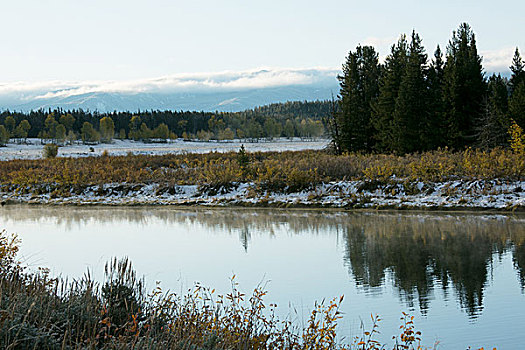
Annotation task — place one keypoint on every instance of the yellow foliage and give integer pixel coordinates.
(517, 138)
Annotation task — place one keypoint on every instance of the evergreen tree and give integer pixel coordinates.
(411, 108)
(517, 105)
(517, 88)
(433, 131)
(390, 81)
(359, 87)
(464, 87)
(494, 122)
(518, 71)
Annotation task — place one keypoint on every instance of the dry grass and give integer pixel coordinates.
(270, 171)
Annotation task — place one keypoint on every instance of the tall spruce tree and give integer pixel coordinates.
(433, 132)
(384, 106)
(518, 71)
(517, 105)
(465, 87)
(359, 87)
(411, 108)
(494, 121)
(517, 88)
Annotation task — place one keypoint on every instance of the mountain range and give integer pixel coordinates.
(224, 91)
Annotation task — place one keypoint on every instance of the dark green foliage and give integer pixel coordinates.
(517, 105)
(465, 87)
(275, 120)
(420, 106)
(50, 150)
(243, 158)
(411, 110)
(518, 71)
(517, 88)
(359, 87)
(433, 130)
(493, 123)
(384, 106)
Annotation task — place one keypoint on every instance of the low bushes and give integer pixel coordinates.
(275, 171)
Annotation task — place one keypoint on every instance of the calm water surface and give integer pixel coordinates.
(461, 275)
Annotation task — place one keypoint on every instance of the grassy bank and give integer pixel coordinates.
(436, 180)
(274, 170)
(41, 312)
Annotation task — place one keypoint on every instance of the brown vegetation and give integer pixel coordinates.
(273, 171)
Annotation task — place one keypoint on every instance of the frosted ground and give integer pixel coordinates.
(458, 194)
(33, 150)
(454, 194)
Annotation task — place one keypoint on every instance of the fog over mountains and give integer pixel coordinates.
(225, 91)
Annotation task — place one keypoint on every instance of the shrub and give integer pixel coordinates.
(50, 151)
(517, 138)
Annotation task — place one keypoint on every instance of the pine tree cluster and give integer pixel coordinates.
(410, 103)
(303, 119)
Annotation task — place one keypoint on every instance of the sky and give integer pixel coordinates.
(118, 40)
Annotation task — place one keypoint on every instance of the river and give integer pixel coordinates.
(462, 275)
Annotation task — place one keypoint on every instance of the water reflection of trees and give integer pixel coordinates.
(421, 253)
(431, 252)
(519, 259)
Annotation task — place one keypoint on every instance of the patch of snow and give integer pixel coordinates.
(507, 195)
(34, 148)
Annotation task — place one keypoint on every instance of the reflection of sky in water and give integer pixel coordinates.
(303, 256)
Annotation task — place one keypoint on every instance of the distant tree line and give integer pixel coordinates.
(290, 119)
(411, 103)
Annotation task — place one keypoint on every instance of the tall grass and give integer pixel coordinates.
(40, 312)
(269, 171)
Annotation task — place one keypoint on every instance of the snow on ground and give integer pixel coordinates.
(475, 194)
(33, 150)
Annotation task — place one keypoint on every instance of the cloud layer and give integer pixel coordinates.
(498, 61)
(188, 82)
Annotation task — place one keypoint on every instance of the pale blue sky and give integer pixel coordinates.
(44, 40)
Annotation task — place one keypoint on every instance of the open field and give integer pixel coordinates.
(33, 150)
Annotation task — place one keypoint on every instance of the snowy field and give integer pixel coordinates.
(123, 147)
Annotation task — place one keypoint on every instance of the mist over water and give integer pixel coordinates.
(461, 275)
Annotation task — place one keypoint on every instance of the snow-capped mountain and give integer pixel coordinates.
(225, 91)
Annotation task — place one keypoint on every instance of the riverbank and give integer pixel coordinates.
(448, 195)
(436, 180)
